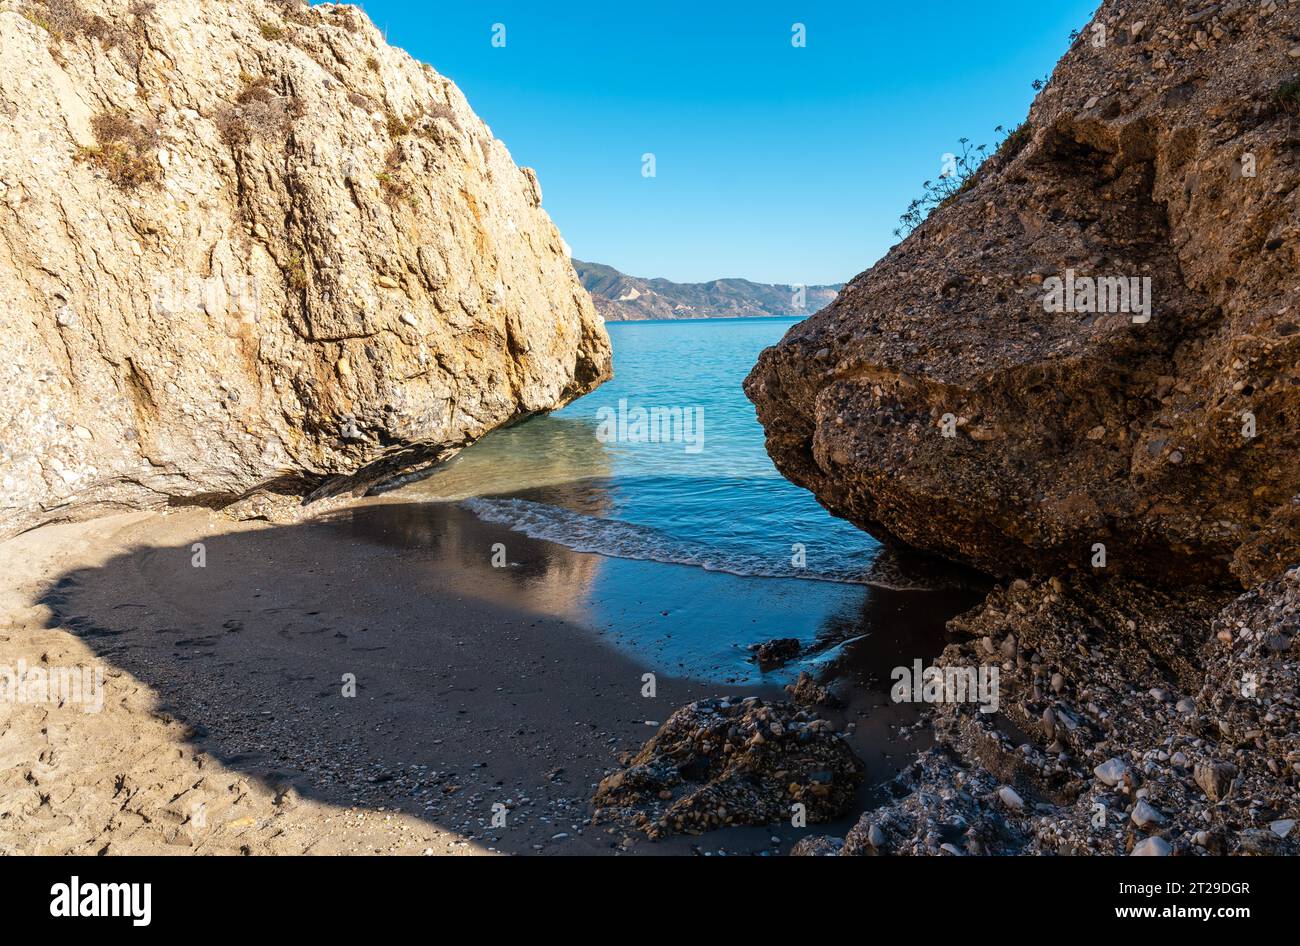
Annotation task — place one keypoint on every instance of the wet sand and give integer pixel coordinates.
(226, 728)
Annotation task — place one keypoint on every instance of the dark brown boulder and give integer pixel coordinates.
(1163, 154)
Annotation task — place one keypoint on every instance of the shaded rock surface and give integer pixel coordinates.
(777, 652)
(732, 762)
(945, 808)
(1127, 714)
(805, 691)
(1162, 154)
(252, 247)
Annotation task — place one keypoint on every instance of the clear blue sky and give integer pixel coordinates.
(774, 163)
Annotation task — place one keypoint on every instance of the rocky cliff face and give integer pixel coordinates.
(956, 397)
(250, 246)
(1086, 366)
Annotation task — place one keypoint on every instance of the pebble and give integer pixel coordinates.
(1111, 772)
(1282, 827)
(1215, 779)
(1152, 847)
(1145, 815)
(1011, 798)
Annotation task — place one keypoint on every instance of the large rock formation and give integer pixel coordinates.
(250, 245)
(1164, 147)
(976, 395)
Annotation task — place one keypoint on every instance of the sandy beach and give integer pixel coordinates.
(225, 728)
(459, 435)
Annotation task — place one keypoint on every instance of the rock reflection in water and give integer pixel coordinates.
(558, 454)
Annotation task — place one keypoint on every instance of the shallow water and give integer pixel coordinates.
(681, 623)
(666, 517)
(705, 494)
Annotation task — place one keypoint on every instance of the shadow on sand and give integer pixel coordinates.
(474, 684)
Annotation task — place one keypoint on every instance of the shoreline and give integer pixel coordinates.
(226, 726)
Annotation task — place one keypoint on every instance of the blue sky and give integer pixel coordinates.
(775, 163)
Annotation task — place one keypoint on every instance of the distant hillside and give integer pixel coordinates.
(622, 298)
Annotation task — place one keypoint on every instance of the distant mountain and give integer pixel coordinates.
(622, 298)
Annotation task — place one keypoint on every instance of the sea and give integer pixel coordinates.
(663, 463)
(701, 548)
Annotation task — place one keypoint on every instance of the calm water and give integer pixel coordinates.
(705, 495)
(693, 546)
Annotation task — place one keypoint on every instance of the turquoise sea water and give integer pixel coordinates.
(706, 494)
(692, 537)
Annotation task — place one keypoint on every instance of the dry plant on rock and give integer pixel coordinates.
(126, 150)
